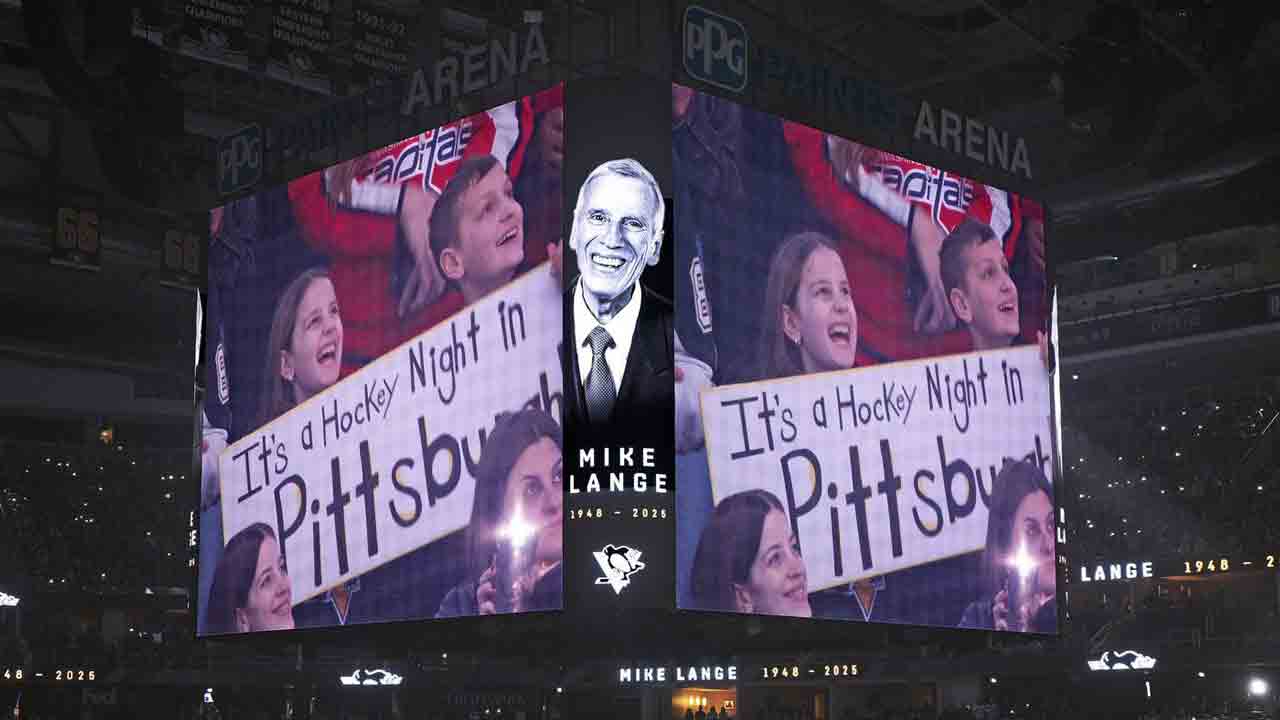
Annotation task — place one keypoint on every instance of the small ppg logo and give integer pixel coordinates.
(715, 48)
(240, 160)
(618, 563)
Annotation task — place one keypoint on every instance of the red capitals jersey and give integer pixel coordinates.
(435, 154)
(951, 197)
(874, 247)
(360, 236)
(873, 240)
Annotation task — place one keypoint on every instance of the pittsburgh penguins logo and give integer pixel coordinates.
(618, 563)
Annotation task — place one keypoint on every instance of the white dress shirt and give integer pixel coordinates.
(622, 328)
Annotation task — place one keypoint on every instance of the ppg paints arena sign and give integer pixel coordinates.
(246, 156)
(719, 50)
(680, 673)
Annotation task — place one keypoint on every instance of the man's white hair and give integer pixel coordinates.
(628, 167)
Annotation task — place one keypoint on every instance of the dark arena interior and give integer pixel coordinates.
(1146, 130)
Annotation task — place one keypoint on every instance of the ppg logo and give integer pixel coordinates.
(715, 48)
(240, 160)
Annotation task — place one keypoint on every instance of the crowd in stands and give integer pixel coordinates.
(1252, 246)
(95, 518)
(1179, 476)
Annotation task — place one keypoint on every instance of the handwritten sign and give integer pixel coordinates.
(882, 468)
(382, 463)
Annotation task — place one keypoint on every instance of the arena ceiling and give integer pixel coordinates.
(1153, 119)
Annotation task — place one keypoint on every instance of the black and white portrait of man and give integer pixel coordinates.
(619, 366)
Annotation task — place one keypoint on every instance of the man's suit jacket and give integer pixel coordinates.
(646, 394)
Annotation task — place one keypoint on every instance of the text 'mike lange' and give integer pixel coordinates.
(617, 471)
(682, 674)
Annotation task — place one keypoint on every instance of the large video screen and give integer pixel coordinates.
(382, 422)
(863, 412)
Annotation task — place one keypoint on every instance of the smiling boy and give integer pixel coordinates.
(975, 274)
(477, 229)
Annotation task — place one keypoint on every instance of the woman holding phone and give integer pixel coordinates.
(1018, 571)
(514, 541)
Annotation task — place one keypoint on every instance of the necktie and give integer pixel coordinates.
(600, 392)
